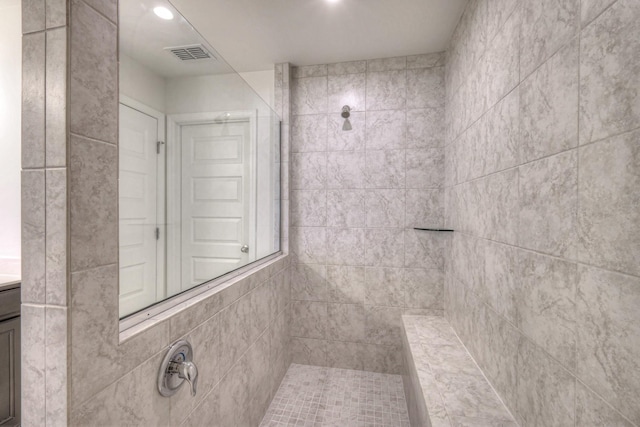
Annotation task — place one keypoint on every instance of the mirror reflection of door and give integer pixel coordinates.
(141, 210)
(217, 199)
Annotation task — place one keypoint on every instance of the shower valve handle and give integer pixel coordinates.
(188, 372)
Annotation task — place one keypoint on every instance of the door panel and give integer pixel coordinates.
(215, 200)
(138, 192)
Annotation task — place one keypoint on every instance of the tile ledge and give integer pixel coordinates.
(421, 377)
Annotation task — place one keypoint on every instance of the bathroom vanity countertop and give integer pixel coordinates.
(9, 282)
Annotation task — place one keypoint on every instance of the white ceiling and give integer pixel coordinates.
(252, 35)
(145, 38)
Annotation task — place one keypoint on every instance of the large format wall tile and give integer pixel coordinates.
(386, 90)
(383, 325)
(308, 208)
(546, 392)
(590, 9)
(425, 128)
(501, 62)
(309, 133)
(309, 244)
(351, 67)
(309, 71)
(309, 319)
(33, 236)
(353, 140)
(608, 341)
(609, 218)
(93, 81)
(56, 97)
(424, 168)
(345, 322)
(345, 246)
(309, 95)
(610, 73)
(424, 208)
(546, 304)
(33, 335)
(384, 287)
(347, 89)
(385, 129)
(502, 134)
(593, 411)
(423, 288)
(387, 64)
(56, 236)
(137, 389)
(33, 16)
(346, 208)
(308, 351)
(549, 106)
(384, 247)
(346, 284)
(385, 208)
(546, 26)
(385, 169)
(548, 200)
(33, 94)
(502, 279)
(425, 88)
(108, 8)
(345, 169)
(235, 401)
(56, 13)
(93, 186)
(309, 171)
(309, 282)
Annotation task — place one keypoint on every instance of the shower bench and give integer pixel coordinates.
(443, 385)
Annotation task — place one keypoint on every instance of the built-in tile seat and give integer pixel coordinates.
(443, 385)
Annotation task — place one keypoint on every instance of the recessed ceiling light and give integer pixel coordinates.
(333, 1)
(163, 12)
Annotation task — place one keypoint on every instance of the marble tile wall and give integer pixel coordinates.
(542, 159)
(77, 369)
(356, 195)
(44, 213)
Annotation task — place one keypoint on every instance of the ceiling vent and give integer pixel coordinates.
(195, 52)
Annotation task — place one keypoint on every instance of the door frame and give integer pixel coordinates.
(161, 199)
(174, 187)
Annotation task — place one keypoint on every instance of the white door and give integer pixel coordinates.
(216, 200)
(138, 197)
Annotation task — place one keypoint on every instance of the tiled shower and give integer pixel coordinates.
(355, 198)
(523, 137)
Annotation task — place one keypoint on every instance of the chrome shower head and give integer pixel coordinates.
(346, 113)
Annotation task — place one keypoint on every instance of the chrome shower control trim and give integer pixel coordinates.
(177, 368)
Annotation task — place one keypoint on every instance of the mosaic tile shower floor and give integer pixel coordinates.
(312, 396)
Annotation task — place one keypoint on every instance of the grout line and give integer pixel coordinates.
(548, 255)
(576, 216)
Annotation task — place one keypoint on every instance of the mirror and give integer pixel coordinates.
(199, 153)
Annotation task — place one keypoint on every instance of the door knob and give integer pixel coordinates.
(244, 249)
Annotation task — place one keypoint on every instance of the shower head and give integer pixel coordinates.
(346, 113)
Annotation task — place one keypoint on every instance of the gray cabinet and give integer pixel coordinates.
(9, 357)
(10, 372)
